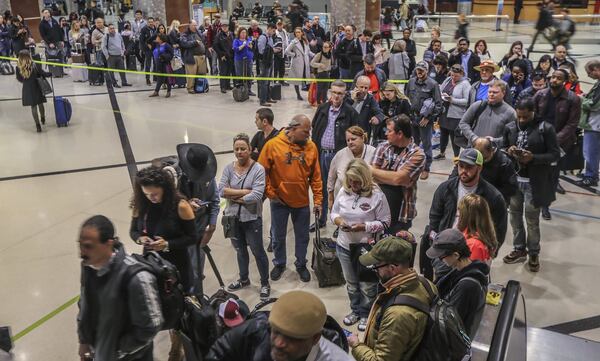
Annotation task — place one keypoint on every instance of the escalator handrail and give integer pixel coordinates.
(504, 323)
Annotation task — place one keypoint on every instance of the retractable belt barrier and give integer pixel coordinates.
(172, 75)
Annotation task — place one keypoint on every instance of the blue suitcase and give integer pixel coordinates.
(62, 111)
(201, 85)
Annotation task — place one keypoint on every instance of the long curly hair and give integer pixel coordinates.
(476, 219)
(155, 177)
(25, 63)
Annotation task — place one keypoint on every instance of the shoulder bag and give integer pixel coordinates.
(231, 223)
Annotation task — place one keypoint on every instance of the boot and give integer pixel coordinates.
(168, 94)
(155, 94)
(148, 82)
(43, 119)
(38, 127)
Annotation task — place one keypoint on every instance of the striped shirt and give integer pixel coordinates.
(410, 159)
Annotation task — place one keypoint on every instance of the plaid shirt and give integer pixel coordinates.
(410, 159)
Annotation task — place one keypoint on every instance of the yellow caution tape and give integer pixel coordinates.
(173, 75)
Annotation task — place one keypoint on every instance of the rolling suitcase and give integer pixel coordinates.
(78, 58)
(325, 262)
(180, 82)
(96, 77)
(131, 62)
(275, 91)
(54, 56)
(62, 109)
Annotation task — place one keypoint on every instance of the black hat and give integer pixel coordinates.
(447, 241)
(197, 161)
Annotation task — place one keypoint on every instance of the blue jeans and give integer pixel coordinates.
(345, 74)
(279, 220)
(251, 236)
(197, 259)
(423, 135)
(148, 60)
(325, 162)
(361, 294)
(591, 153)
(522, 240)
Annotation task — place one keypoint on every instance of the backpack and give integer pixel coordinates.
(171, 165)
(6, 68)
(445, 337)
(169, 287)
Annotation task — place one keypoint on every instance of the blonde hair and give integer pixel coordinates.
(475, 218)
(358, 170)
(174, 25)
(25, 63)
(358, 132)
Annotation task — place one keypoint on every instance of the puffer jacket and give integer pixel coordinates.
(290, 169)
(420, 90)
(113, 330)
(401, 328)
(466, 290)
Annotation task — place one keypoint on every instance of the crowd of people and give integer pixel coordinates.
(356, 163)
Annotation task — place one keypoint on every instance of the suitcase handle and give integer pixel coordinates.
(317, 228)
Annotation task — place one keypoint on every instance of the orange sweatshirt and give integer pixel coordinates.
(290, 169)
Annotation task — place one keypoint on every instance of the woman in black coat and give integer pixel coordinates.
(163, 53)
(28, 73)
(393, 102)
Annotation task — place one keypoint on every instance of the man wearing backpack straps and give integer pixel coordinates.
(115, 321)
(393, 332)
(465, 286)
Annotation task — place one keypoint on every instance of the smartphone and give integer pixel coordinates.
(347, 332)
(346, 228)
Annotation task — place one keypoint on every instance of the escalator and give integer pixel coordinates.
(504, 336)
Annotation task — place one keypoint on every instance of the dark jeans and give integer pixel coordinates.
(116, 62)
(445, 135)
(325, 159)
(279, 220)
(345, 74)
(240, 65)
(226, 69)
(160, 80)
(251, 235)
(278, 67)
(361, 294)
(148, 60)
(395, 197)
(423, 135)
(263, 85)
(322, 87)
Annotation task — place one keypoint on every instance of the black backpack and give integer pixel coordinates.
(445, 337)
(170, 289)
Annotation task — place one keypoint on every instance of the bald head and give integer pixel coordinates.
(298, 130)
(486, 147)
(363, 83)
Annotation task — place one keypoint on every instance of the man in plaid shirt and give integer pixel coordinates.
(396, 168)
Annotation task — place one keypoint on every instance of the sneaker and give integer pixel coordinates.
(362, 324)
(265, 291)
(238, 285)
(534, 263)
(546, 214)
(351, 319)
(586, 181)
(251, 93)
(265, 104)
(312, 227)
(303, 273)
(276, 272)
(516, 256)
(439, 156)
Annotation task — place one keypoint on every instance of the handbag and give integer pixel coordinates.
(358, 249)
(176, 62)
(45, 86)
(459, 137)
(231, 223)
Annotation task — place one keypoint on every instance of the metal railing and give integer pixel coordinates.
(468, 17)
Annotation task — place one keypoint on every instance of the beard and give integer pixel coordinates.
(301, 142)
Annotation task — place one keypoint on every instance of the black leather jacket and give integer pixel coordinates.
(347, 118)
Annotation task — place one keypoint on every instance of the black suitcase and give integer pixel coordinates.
(325, 262)
(57, 71)
(131, 62)
(573, 159)
(275, 91)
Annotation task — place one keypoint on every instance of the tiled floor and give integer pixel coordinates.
(39, 267)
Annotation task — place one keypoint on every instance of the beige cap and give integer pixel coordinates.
(298, 314)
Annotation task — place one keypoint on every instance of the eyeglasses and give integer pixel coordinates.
(375, 268)
(456, 70)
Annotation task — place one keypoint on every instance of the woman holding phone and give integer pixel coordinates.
(361, 211)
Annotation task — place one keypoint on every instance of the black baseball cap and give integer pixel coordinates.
(445, 242)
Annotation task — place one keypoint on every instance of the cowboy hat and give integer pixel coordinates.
(197, 161)
(488, 63)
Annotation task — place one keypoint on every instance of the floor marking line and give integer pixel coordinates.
(125, 143)
(46, 318)
(583, 324)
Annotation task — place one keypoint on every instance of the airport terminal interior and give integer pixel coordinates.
(52, 181)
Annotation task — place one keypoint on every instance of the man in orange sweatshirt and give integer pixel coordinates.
(291, 162)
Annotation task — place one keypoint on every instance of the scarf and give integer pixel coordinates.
(390, 287)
